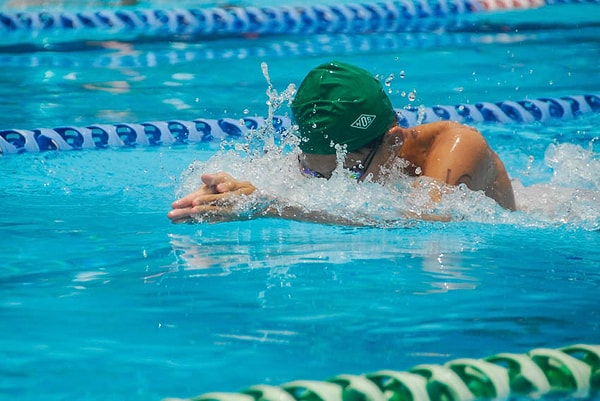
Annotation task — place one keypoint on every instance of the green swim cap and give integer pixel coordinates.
(341, 104)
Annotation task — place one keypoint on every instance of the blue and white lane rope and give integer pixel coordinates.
(388, 16)
(383, 16)
(167, 133)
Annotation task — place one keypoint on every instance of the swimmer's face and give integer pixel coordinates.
(320, 166)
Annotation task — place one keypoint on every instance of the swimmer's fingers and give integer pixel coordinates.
(210, 186)
(223, 182)
(180, 215)
(235, 187)
(210, 213)
(193, 197)
(211, 205)
(230, 196)
(212, 181)
(426, 217)
(199, 205)
(215, 199)
(217, 187)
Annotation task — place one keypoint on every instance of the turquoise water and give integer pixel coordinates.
(104, 299)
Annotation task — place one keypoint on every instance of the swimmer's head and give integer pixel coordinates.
(338, 103)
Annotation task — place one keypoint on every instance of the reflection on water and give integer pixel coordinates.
(448, 269)
(441, 262)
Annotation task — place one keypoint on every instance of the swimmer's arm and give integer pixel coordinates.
(219, 198)
(457, 154)
(216, 201)
(461, 155)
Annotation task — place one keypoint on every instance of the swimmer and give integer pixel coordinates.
(340, 104)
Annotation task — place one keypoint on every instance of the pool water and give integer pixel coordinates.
(104, 299)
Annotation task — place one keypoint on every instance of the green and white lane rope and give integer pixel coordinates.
(572, 371)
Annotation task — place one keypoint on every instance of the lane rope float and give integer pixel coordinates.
(173, 132)
(568, 372)
(389, 16)
(356, 18)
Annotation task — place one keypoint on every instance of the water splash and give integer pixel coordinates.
(399, 202)
(275, 100)
(571, 197)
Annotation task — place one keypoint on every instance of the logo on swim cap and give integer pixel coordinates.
(363, 121)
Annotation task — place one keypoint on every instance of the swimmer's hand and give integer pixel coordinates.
(213, 201)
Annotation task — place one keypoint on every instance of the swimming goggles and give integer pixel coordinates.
(356, 172)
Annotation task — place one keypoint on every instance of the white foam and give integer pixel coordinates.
(572, 195)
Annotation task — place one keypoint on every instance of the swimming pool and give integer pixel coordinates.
(102, 298)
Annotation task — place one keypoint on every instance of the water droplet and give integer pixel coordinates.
(402, 74)
(314, 125)
(530, 161)
(412, 96)
(389, 79)
(246, 111)
(265, 70)
(421, 114)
